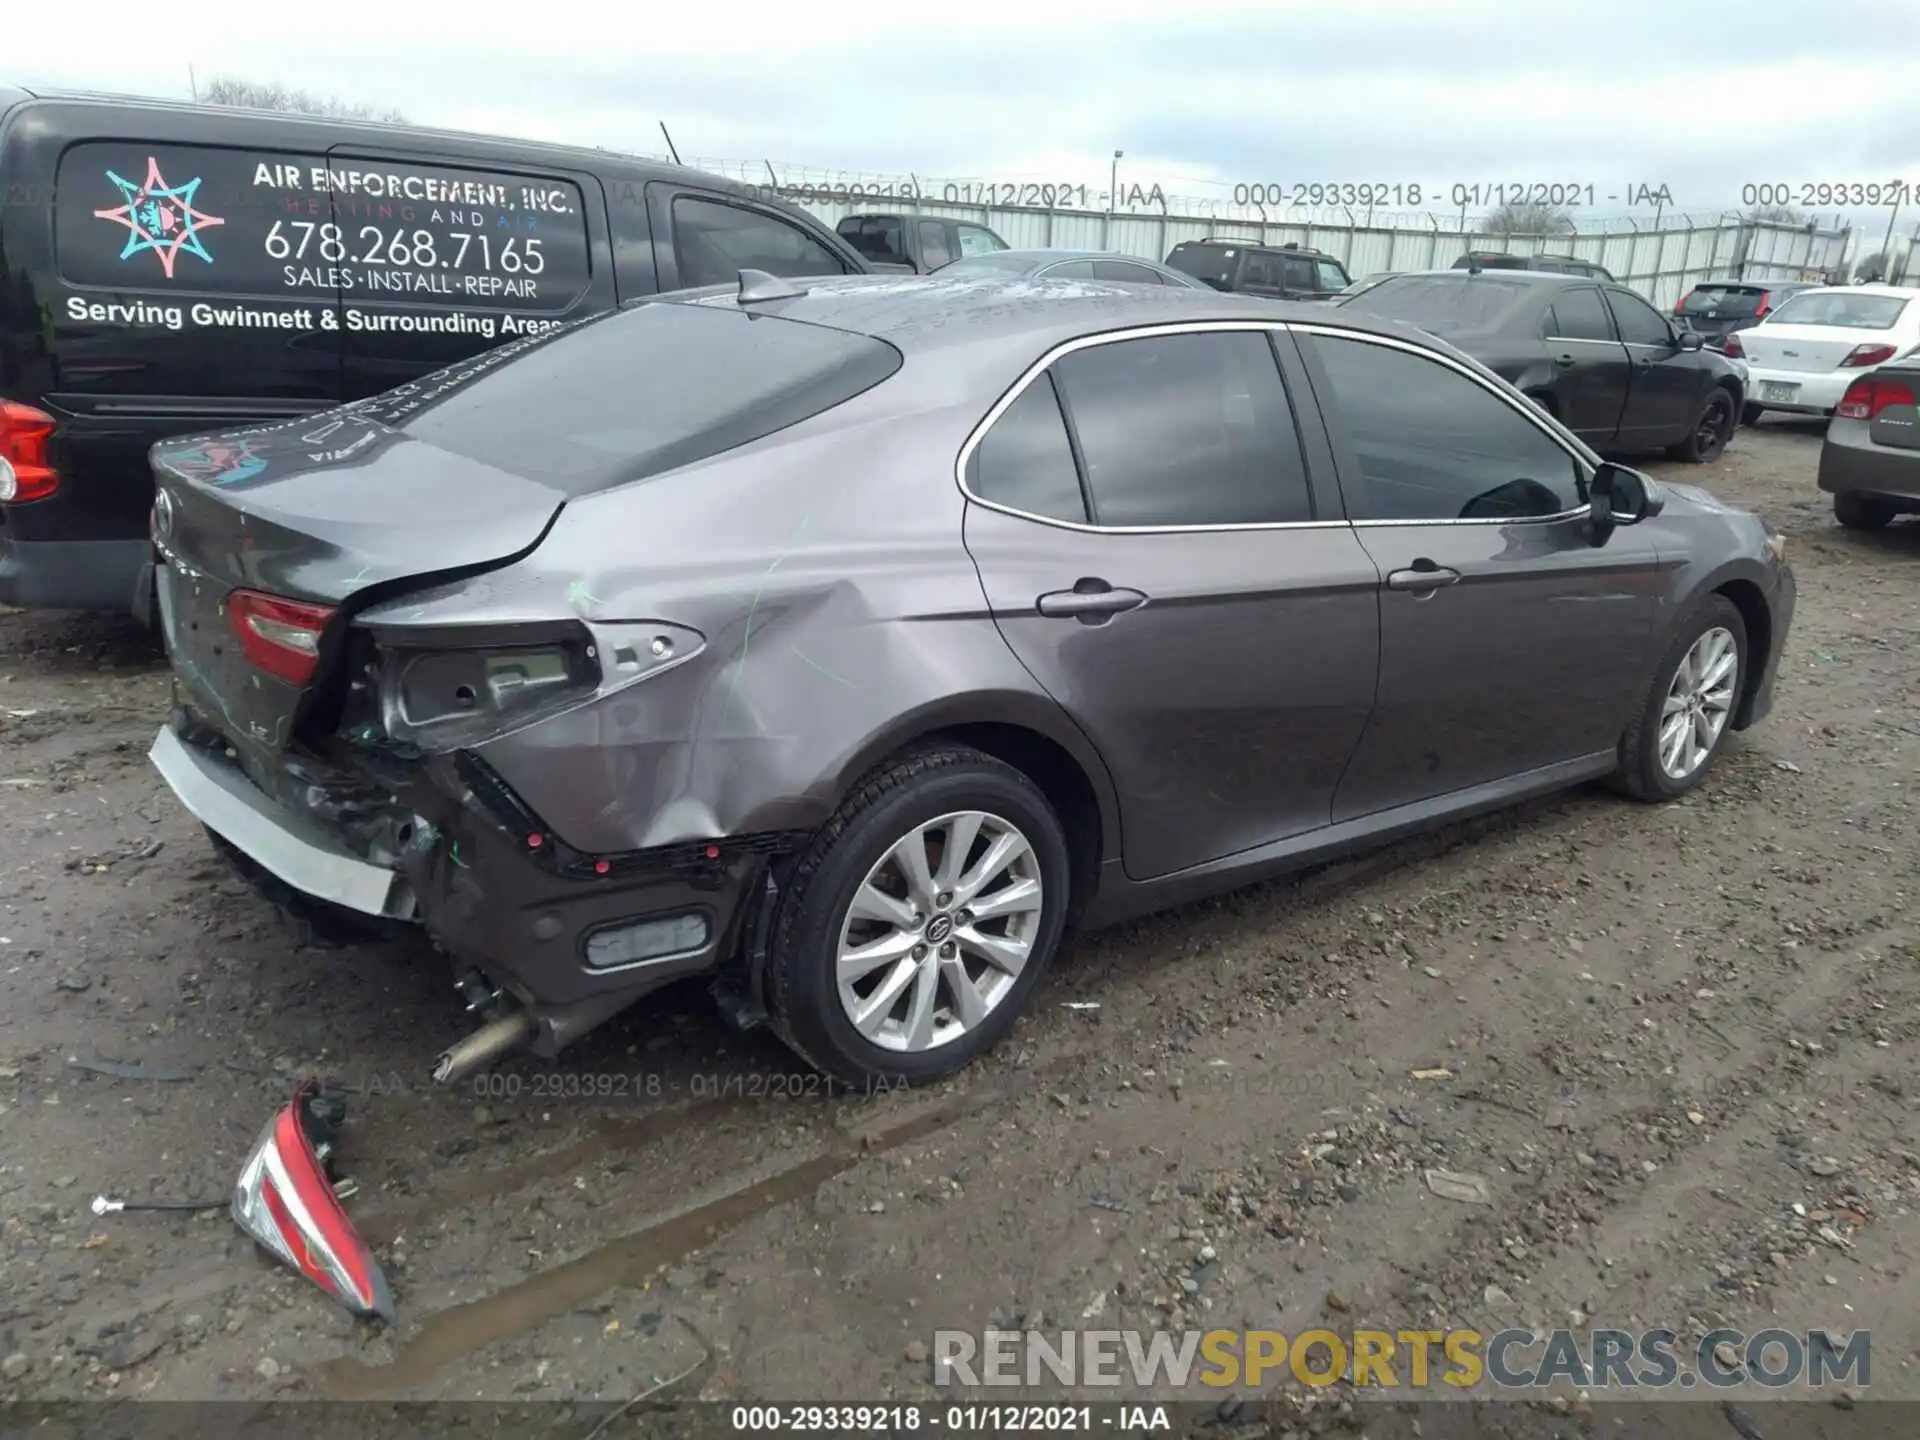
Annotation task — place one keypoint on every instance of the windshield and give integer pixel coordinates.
(1842, 309)
(1004, 262)
(1443, 303)
(636, 392)
(1735, 300)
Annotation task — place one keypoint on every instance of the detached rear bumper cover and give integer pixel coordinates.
(225, 800)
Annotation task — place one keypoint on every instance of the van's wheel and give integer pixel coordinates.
(1689, 707)
(1750, 414)
(919, 920)
(1712, 428)
(1861, 512)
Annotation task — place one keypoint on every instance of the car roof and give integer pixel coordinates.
(1240, 243)
(1546, 279)
(1041, 254)
(1902, 292)
(921, 313)
(579, 156)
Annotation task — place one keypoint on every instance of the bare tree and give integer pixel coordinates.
(1774, 215)
(1536, 218)
(1871, 268)
(254, 95)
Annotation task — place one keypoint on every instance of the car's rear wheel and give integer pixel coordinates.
(919, 920)
(1689, 707)
(1862, 512)
(1750, 414)
(1712, 428)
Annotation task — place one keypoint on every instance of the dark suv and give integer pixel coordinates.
(1552, 264)
(1277, 272)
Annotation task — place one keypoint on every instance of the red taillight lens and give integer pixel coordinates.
(1732, 346)
(24, 471)
(1867, 355)
(284, 1200)
(1765, 303)
(1867, 397)
(281, 637)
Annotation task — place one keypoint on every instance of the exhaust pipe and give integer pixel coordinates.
(490, 1043)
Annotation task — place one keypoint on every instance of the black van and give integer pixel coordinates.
(169, 268)
(1277, 272)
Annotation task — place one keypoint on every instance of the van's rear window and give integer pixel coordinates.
(635, 392)
(1211, 263)
(324, 232)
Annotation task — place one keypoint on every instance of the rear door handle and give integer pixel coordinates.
(1090, 602)
(1565, 362)
(1422, 577)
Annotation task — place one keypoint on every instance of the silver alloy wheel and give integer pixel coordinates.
(939, 931)
(1699, 702)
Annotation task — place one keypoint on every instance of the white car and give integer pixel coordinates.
(1802, 357)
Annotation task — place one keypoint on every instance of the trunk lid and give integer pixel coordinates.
(1813, 349)
(1898, 424)
(318, 511)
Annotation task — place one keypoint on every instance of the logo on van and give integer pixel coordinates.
(160, 217)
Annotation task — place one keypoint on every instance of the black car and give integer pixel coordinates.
(1717, 308)
(1597, 357)
(168, 269)
(1275, 272)
(1546, 264)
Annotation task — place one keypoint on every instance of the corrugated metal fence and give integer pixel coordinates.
(1661, 254)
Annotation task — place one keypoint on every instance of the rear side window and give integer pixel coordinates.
(1186, 430)
(1069, 270)
(714, 242)
(640, 391)
(1579, 314)
(1121, 270)
(204, 219)
(1025, 461)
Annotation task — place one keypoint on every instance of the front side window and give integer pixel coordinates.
(1186, 430)
(878, 237)
(714, 242)
(1297, 273)
(1639, 322)
(974, 240)
(1329, 276)
(1432, 444)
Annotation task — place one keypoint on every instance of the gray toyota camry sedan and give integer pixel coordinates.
(846, 641)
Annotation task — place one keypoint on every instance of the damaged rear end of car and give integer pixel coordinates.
(362, 621)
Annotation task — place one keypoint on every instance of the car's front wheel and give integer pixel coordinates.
(1861, 512)
(1712, 428)
(920, 919)
(1689, 707)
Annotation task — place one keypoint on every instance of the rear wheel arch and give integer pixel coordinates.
(1032, 735)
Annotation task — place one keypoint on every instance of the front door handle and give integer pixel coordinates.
(1565, 362)
(1422, 576)
(1090, 602)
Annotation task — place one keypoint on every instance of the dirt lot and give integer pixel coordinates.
(1662, 1030)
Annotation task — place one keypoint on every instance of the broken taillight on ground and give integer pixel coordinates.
(286, 1199)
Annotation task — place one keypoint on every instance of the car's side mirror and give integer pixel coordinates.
(1619, 496)
(1689, 340)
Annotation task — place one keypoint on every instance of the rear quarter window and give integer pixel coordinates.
(289, 225)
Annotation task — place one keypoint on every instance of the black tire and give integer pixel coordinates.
(1862, 512)
(1750, 414)
(319, 924)
(1640, 773)
(803, 998)
(1712, 427)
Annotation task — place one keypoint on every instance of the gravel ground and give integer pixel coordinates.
(1676, 1043)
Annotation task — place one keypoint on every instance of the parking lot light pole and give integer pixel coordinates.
(1113, 196)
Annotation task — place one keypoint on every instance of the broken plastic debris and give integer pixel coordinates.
(1458, 1185)
(1080, 1005)
(104, 1205)
(1435, 1073)
(128, 1069)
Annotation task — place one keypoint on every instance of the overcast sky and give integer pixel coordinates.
(1200, 94)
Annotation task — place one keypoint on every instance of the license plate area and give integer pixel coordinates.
(1778, 389)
